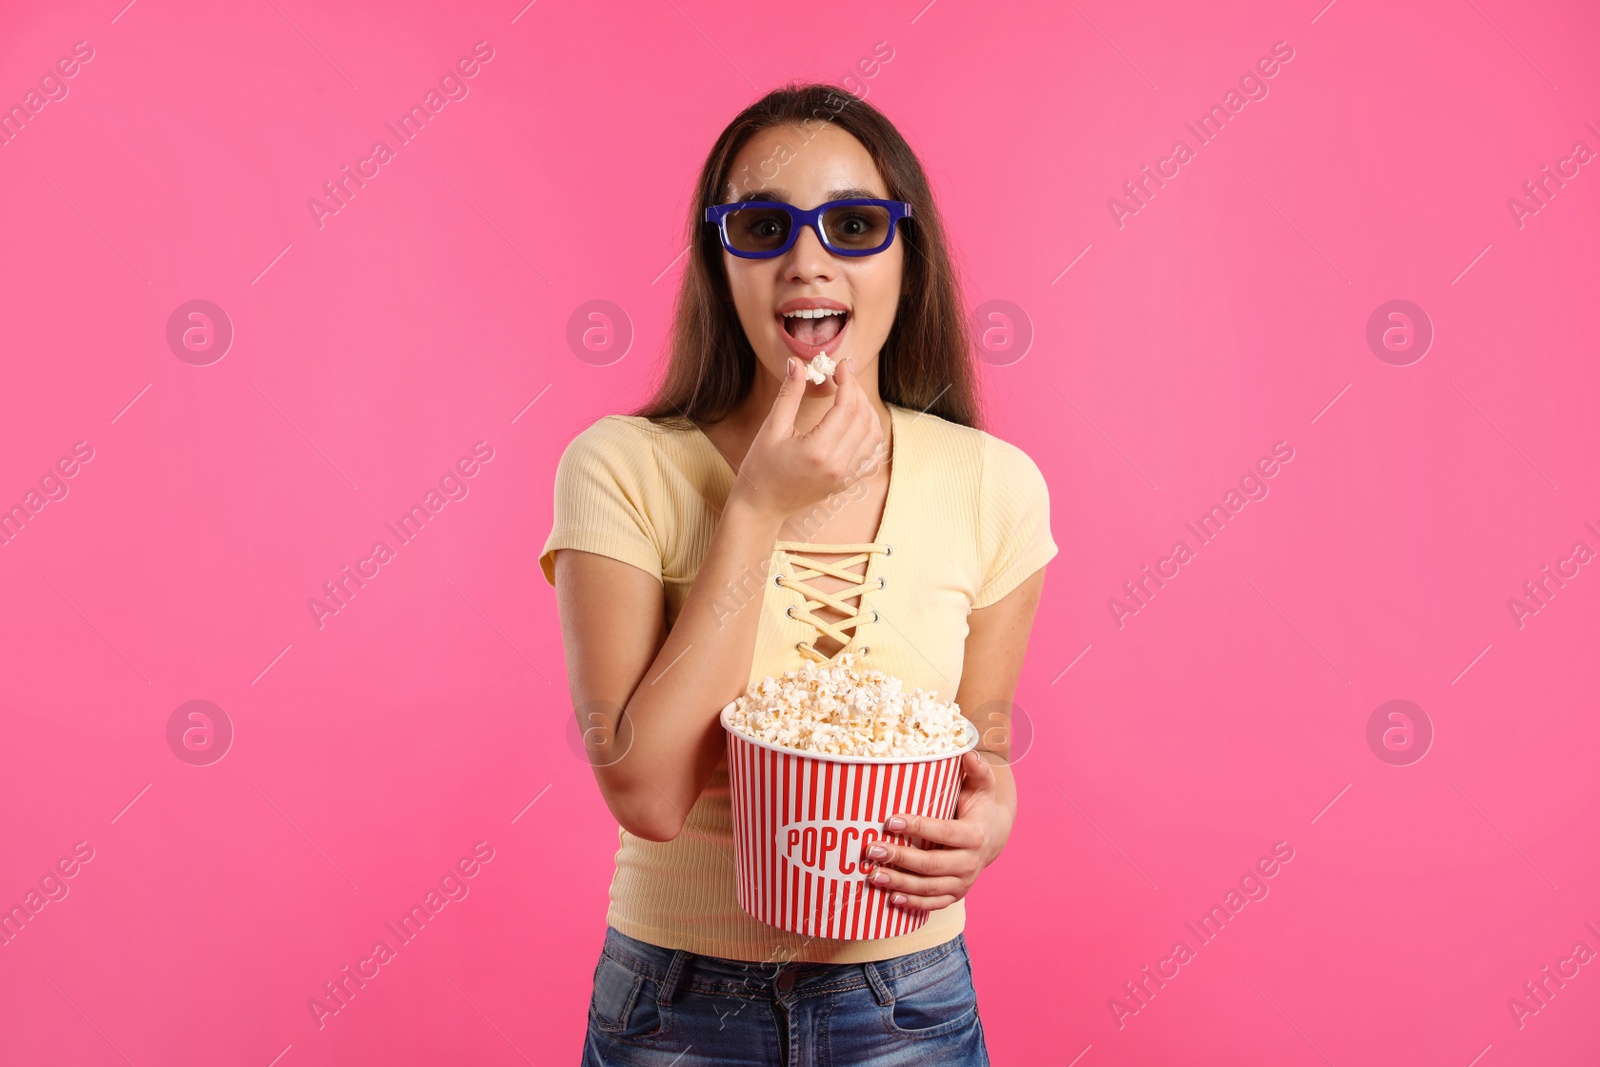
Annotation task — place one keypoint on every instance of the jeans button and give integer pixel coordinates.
(785, 981)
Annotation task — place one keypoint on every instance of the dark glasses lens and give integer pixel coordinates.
(758, 229)
(856, 228)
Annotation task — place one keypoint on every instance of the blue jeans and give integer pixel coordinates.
(662, 1007)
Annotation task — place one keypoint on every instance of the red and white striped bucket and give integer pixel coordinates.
(802, 821)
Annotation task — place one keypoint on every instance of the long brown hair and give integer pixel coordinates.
(926, 363)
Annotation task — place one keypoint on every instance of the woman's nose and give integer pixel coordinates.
(810, 258)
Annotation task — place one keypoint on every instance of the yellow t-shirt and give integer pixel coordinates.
(967, 518)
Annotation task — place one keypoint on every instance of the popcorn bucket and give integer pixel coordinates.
(802, 822)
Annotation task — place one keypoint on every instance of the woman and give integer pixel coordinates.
(747, 521)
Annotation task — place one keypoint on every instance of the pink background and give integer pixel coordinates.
(1229, 313)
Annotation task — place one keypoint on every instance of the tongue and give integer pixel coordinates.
(818, 331)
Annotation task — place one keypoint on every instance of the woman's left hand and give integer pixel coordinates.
(934, 878)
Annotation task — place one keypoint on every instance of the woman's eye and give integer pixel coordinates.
(854, 228)
(763, 228)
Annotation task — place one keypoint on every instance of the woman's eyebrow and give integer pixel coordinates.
(778, 196)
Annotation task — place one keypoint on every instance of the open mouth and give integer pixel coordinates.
(815, 326)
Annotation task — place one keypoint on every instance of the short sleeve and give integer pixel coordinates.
(1014, 520)
(606, 499)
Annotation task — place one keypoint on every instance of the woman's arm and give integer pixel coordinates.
(653, 761)
(997, 641)
(934, 878)
(647, 699)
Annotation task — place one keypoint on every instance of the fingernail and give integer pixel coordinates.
(899, 898)
(880, 877)
(877, 852)
(788, 368)
(897, 823)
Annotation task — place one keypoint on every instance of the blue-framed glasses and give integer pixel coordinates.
(761, 229)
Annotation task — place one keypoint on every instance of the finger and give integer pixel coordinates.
(980, 776)
(844, 371)
(956, 833)
(780, 419)
(873, 452)
(978, 788)
(859, 445)
(847, 383)
(917, 885)
(852, 384)
(844, 376)
(917, 903)
(851, 443)
(930, 861)
(838, 415)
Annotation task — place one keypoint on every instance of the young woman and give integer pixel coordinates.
(748, 520)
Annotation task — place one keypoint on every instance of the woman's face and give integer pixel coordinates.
(832, 165)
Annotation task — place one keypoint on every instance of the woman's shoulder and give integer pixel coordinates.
(968, 449)
(931, 432)
(661, 469)
(608, 429)
(617, 437)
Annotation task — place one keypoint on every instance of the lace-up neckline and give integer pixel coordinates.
(804, 567)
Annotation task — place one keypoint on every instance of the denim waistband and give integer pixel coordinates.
(681, 969)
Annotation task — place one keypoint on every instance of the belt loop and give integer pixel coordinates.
(880, 989)
(669, 984)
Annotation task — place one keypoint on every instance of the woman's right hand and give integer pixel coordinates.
(785, 472)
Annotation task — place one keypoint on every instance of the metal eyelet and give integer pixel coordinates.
(882, 581)
(865, 649)
(888, 549)
(777, 580)
(874, 614)
(789, 611)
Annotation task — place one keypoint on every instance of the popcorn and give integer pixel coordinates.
(820, 367)
(848, 710)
